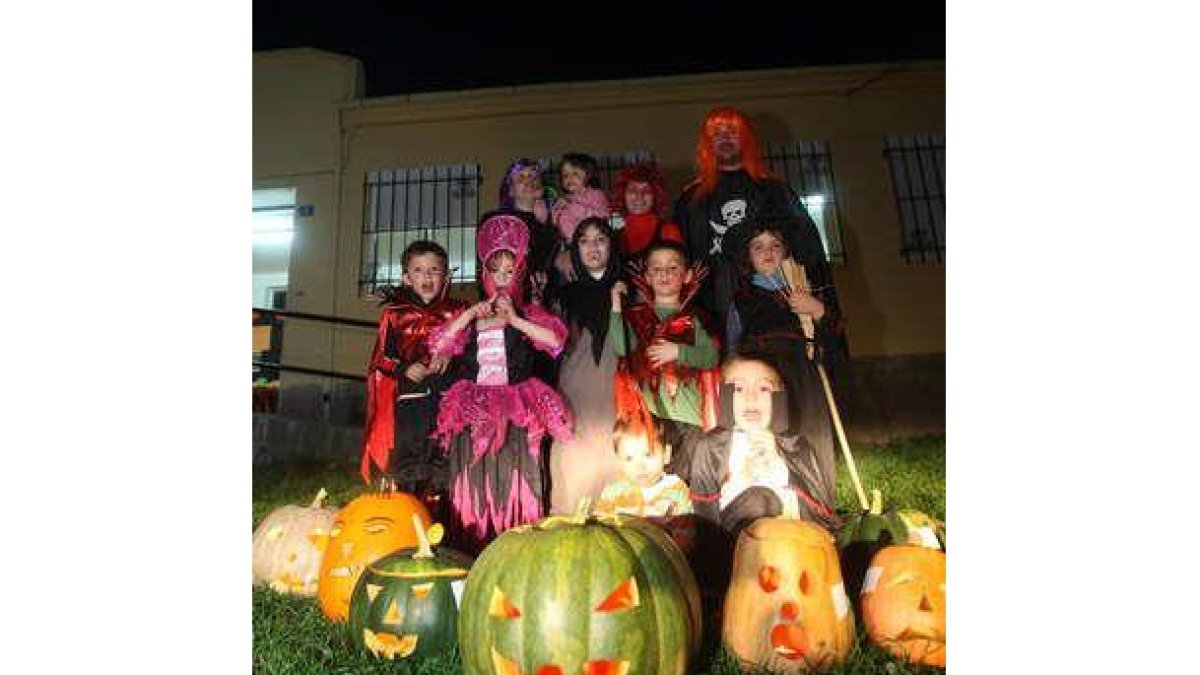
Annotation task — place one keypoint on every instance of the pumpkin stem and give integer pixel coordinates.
(319, 499)
(423, 548)
(876, 502)
(581, 510)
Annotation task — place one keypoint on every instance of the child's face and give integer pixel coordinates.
(666, 271)
(594, 250)
(572, 178)
(527, 183)
(753, 383)
(639, 465)
(425, 274)
(501, 268)
(639, 197)
(766, 253)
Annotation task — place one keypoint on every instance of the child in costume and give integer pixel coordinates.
(643, 487)
(405, 382)
(639, 201)
(581, 466)
(579, 178)
(493, 423)
(751, 466)
(775, 316)
(669, 356)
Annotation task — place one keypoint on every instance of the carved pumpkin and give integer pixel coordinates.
(864, 534)
(288, 544)
(406, 604)
(368, 528)
(786, 609)
(599, 595)
(904, 603)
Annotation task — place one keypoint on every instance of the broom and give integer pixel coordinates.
(796, 278)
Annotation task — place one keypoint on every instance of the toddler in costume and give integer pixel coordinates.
(578, 176)
(644, 488)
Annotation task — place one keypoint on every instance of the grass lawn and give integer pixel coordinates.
(292, 637)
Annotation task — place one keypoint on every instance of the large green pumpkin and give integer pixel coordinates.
(406, 603)
(601, 595)
(866, 533)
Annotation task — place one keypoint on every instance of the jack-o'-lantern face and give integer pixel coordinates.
(580, 599)
(288, 545)
(406, 603)
(623, 599)
(904, 603)
(787, 608)
(367, 529)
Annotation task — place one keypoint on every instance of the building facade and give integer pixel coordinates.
(862, 145)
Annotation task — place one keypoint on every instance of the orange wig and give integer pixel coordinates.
(752, 160)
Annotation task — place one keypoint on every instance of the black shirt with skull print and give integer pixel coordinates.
(713, 232)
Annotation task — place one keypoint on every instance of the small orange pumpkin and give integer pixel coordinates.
(786, 609)
(904, 603)
(368, 528)
(287, 546)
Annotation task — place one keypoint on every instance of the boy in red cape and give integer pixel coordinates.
(404, 382)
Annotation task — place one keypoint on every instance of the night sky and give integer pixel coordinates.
(413, 47)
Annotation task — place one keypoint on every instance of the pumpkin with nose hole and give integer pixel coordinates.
(904, 603)
(406, 604)
(582, 595)
(786, 608)
(368, 528)
(288, 544)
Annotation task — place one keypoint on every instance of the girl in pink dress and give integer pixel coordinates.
(494, 422)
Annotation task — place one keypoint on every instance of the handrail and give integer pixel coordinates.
(308, 371)
(317, 317)
(284, 314)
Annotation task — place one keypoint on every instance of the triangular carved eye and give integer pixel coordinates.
(805, 583)
(624, 597)
(500, 607)
(768, 578)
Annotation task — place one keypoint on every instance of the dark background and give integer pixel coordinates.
(411, 47)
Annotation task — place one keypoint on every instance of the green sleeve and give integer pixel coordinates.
(617, 333)
(703, 354)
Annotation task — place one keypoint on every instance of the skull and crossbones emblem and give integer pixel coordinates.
(732, 212)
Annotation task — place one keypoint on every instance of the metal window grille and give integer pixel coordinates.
(610, 166)
(917, 164)
(807, 167)
(438, 203)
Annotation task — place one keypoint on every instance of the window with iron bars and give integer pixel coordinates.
(610, 166)
(917, 164)
(438, 203)
(806, 166)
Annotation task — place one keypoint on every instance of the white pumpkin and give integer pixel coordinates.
(288, 545)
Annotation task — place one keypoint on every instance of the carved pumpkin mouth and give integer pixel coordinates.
(290, 583)
(389, 646)
(504, 666)
(789, 640)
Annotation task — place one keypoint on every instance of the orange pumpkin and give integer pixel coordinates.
(288, 544)
(368, 528)
(904, 603)
(786, 609)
